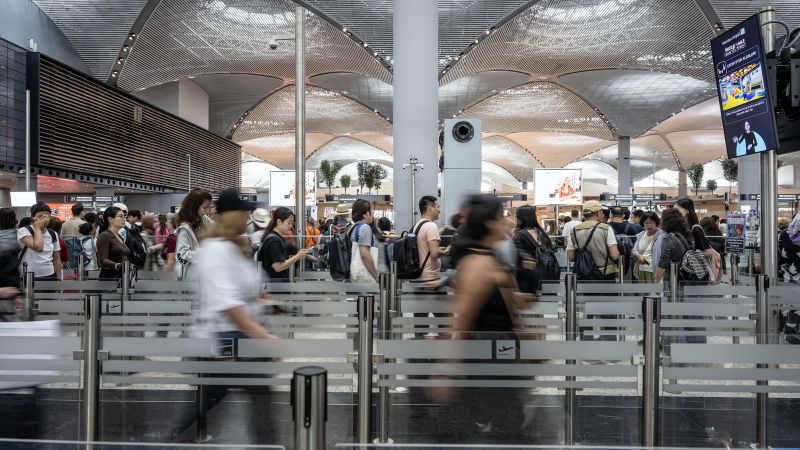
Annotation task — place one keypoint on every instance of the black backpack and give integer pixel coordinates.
(584, 266)
(405, 252)
(137, 247)
(545, 265)
(53, 237)
(625, 246)
(339, 255)
(694, 266)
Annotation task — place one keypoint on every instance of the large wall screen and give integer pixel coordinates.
(87, 127)
(747, 115)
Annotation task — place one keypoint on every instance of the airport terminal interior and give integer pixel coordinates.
(314, 224)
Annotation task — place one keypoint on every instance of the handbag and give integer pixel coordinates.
(358, 270)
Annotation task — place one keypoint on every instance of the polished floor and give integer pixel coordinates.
(489, 416)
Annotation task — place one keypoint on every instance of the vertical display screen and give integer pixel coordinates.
(748, 119)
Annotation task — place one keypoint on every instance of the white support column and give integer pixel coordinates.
(415, 114)
(749, 179)
(624, 165)
(683, 188)
(300, 129)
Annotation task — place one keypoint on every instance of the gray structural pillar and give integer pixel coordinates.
(416, 107)
(749, 179)
(683, 188)
(624, 165)
(300, 128)
(769, 179)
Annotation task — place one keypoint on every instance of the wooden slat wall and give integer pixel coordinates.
(90, 128)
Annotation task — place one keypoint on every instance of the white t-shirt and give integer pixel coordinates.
(89, 251)
(226, 282)
(567, 232)
(40, 263)
(611, 239)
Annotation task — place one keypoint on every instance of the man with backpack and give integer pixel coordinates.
(428, 239)
(625, 233)
(593, 246)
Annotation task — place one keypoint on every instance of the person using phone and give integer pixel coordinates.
(41, 246)
(275, 253)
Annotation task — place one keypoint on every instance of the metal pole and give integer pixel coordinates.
(769, 177)
(28, 310)
(366, 311)
(384, 331)
(394, 298)
(734, 269)
(125, 283)
(762, 337)
(189, 184)
(413, 189)
(299, 120)
(27, 141)
(91, 368)
(571, 330)
(309, 407)
(651, 372)
(621, 266)
(673, 282)
(79, 272)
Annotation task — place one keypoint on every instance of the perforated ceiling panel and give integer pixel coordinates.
(372, 92)
(704, 116)
(697, 147)
(648, 154)
(346, 150)
(279, 150)
(731, 12)
(460, 21)
(326, 112)
(544, 107)
(96, 28)
(635, 100)
(557, 149)
(230, 95)
(194, 37)
(555, 37)
(462, 93)
(515, 159)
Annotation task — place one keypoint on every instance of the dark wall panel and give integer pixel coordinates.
(87, 127)
(12, 103)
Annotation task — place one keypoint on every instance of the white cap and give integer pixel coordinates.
(120, 206)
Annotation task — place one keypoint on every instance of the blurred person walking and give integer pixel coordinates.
(153, 260)
(10, 249)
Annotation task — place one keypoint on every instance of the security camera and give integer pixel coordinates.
(273, 45)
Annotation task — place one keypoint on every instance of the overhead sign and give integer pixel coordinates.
(352, 198)
(23, 199)
(748, 119)
(781, 197)
(557, 187)
(282, 188)
(91, 198)
(243, 197)
(512, 197)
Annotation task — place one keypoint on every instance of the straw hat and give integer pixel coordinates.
(343, 210)
(260, 217)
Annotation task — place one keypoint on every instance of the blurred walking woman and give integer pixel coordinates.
(192, 219)
(111, 250)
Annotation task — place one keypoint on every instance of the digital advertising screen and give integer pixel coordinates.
(282, 189)
(557, 187)
(748, 119)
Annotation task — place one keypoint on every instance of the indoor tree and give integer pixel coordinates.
(695, 174)
(344, 181)
(730, 170)
(329, 172)
(361, 172)
(711, 185)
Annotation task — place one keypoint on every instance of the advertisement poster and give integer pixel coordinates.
(557, 187)
(735, 232)
(747, 115)
(282, 189)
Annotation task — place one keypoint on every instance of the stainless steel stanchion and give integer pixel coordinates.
(201, 413)
(651, 373)
(80, 271)
(28, 311)
(734, 270)
(292, 273)
(91, 368)
(384, 331)
(762, 338)
(394, 298)
(673, 282)
(621, 265)
(571, 330)
(366, 312)
(125, 283)
(309, 407)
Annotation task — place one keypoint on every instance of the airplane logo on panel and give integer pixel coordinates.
(505, 350)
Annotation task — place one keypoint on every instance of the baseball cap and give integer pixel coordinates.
(592, 206)
(230, 200)
(120, 206)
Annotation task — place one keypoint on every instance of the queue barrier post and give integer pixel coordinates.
(91, 368)
(651, 373)
(366, 313)
(571, 330)
(309, 407)
(762, 338)
(385, 331)
(28, 310)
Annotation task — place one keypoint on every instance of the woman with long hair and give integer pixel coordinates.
(530, 239)
(685, 206)
(163, 229)
(192, 220)
(275, 253)
(676, 242)
(111, 249)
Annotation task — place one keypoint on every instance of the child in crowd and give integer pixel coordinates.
(87, 238)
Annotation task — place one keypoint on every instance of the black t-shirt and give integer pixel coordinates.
(750, 140)
(275, 249)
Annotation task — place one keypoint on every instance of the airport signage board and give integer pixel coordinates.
(505, 198)
(748, 118)
(91, 198)
(352, 198)
(557, 187)
(735, 232)
(282, 188)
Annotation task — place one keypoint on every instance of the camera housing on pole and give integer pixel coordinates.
(461, 170)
